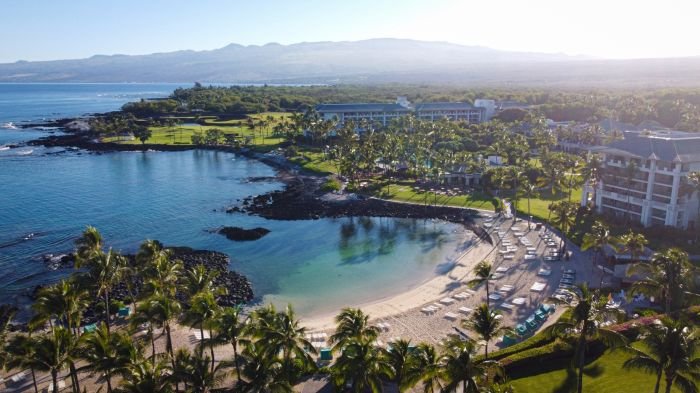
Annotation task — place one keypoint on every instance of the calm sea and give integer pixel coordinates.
(47, 196)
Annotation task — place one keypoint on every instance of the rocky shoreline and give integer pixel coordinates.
(239, 290)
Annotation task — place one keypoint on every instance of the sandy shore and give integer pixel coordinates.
(429, 291)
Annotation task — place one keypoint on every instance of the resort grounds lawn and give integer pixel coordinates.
(404, 192)
(313, 160)
(539, 206)
(604, 375)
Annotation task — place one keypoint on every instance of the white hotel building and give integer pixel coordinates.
(384, 113)
(658, 193)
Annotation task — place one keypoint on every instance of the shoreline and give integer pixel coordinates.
(428, 291)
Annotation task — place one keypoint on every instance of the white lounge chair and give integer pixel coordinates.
(506, 306)
(450, 316)
(465, 310)
(461, 296)
(519, 301)
(538, 286)
(495, 296)
(544, 272)
(447, 301)
(501, 269)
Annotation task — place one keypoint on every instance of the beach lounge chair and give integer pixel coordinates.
(566, 281)
(90, 328)
(18, 377)
(447, 301)
(508, 340)
(461, 296)
(506, 306)
(538, 287)
(569, 271)
(519, 301)
(508, 256)
(531, 322)
(541, 316)
(124, 312)
(465, 310)
(506, 288)
(495, 296)
(61, 385)
(531, 249)
(427, 310)
(521, 329)
(450, 316)
(501, 269)
(568, 276)
(547, 308)
(529, 257)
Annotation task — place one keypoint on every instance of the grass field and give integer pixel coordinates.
(404, 191)
(312, 160)
(604, 375)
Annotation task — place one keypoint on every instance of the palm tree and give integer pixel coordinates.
(486, 324)
(230, 330)
(529, 189)
(427, 369)
(163, 274)
(88, 244)
(54, 351)
(587, 316)
(65, 301)
(459, 367)
(400, 357)
(598, 237)
(202, 311)
(635, 243)
(280, 333)
(145, 314)
(165, 309)
(146, 376)
(20, 353)
(105, 271)
(261, 372)
(7, 312)
(564, 218)
(107, 354)
(362, 366)
(195, 371)
(483, 272)
(668, 276)
(352, 324)
(200, 279)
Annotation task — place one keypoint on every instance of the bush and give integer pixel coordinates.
(331, 185)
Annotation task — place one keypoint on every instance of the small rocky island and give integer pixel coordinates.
(241, 234)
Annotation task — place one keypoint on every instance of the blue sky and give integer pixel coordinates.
(60, 29)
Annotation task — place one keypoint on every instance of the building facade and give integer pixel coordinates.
(645, 177)
(384, 114)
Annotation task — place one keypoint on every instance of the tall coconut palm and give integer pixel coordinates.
(427, 369)
(105, 270)
(163, 274)
(564, 218)
(362, 366)
(65, 300)
(230, 329)
(54, 351)
(146, 376)
(201, 314)
(352, 324)
(486, 324)
(146, 314)
(661, 343)
(7, 312)
(400, 357)
(529, 189)
(165, 310)
(88, 245)
(198, 375)
(668, 276)
(596, 239)
(634, 243)
(483, 274)
(107, 354)
(20, 353)
(261, 372)
(588, 313)
(280, 333)
(460, 369)
(200, 279)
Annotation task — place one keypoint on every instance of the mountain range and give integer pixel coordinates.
(367, 61)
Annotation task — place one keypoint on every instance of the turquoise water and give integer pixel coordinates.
(175, 197)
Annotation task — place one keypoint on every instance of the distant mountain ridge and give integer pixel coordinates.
(367, 61)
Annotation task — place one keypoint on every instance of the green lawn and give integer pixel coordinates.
(604, 375)
(312, 160)
(539, 207)
(404, 191)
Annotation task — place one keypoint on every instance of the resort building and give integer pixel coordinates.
(383, 114)
(644, 177)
